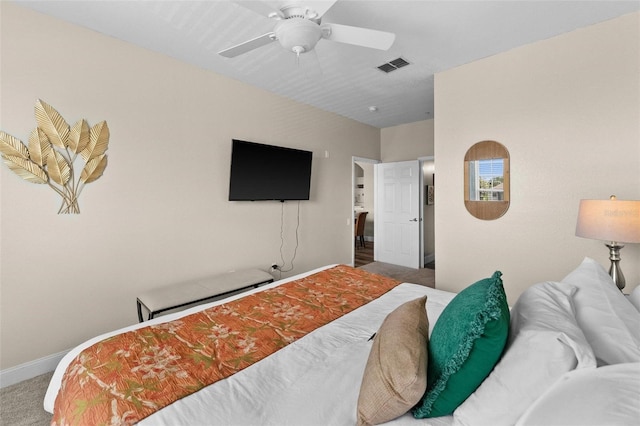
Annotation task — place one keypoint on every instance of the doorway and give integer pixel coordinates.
(362, 168)
(363, 200)
(429, 177)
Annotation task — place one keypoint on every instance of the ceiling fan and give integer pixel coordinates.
(299, 28)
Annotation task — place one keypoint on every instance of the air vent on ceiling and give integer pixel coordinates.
(393, 65)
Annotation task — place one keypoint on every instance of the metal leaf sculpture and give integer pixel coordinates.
(39, 147)
(79, 136)
(53, 149)
(26, 169)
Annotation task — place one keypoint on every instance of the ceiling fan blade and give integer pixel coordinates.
(366, 37)
(261, 8)
(248, 45)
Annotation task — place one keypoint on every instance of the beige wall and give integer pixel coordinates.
(568, 111)
(160, 212)
(407, 141)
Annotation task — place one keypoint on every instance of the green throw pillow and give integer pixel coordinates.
(465, 344)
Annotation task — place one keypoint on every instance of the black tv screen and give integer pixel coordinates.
(266, 172)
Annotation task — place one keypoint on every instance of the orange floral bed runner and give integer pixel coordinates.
(125, 378)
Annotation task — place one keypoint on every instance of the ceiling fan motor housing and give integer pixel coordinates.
(298, 35)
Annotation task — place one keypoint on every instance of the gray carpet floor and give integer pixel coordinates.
(424, 276)
(21, 404)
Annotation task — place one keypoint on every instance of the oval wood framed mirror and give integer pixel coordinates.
(487, 180)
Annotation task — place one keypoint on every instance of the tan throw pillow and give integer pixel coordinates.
(395, 377)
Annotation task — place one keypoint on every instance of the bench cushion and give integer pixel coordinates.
(173, 295)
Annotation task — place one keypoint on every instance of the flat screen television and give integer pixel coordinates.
(262, 172)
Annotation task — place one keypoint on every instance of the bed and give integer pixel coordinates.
(566, 353)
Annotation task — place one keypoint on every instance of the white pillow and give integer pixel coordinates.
(544, 343)
(634, 298)
(601, 396)
(609, 321)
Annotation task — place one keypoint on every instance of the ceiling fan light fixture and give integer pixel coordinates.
(298, 35)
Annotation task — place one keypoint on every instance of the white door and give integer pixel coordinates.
(397, 225)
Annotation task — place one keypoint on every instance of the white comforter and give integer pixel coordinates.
(313, 381)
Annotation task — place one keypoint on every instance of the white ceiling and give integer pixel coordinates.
(432, 35)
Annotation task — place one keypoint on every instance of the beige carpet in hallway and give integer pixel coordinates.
(422, 276)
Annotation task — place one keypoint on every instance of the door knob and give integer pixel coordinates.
(415, 219)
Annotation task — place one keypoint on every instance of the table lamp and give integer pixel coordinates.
(615, 221)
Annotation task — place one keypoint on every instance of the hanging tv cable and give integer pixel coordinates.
(295, 250)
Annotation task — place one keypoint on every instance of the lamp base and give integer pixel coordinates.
(614, 269)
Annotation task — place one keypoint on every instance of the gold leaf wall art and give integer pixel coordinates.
(52, 151)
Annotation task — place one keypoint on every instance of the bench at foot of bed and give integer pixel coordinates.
(183, 294)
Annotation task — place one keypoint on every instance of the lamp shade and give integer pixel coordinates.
(609, 220)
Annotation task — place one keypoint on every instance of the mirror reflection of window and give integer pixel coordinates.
(486, 180)
(487, 183)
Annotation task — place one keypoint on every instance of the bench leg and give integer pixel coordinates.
(139, 310)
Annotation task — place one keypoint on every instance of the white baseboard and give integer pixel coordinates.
(428, 258)
(29, 370)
